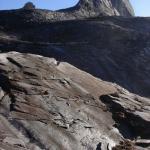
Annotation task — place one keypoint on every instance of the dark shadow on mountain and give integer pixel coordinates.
(115, 49)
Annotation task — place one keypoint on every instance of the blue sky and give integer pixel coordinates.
(141, 7)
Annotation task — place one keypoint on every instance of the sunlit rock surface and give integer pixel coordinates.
(115, 49)
(83, 9)
(46, 104)
(75, 79)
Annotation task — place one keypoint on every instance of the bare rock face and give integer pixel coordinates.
(29, 6)
(94, 8)
(52, 105)
(114, 49)
(123, 7)
(83, 9)
(106, 7)
(50, 96)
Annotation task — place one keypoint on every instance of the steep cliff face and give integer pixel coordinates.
(84, 9)
(123, 7)
(115, 49)
(96, 7)
(49, 105)
(106, 7)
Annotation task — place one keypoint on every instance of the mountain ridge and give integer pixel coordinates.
(84, 9)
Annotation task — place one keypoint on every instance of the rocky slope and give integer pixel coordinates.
(115, 49)
(54, 89)
(45, 104)
(123, 7)
(105, 7)
(84, 9)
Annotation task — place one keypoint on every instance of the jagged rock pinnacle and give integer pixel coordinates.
(29, 6)
(83, 9)
(107, 7)
(63, 83)
(124, 7)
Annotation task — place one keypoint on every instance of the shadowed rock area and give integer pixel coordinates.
(75, 79)
(115, 49)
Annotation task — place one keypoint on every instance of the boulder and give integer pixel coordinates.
(29, 6)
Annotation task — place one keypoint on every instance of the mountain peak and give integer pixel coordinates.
(83, 9)
(107, 7)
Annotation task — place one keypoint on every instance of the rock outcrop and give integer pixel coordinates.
(29, 6)
(115, 49)
(105, 7)
(84, 9)
(75, 79)
(47, 104)
(123, 7)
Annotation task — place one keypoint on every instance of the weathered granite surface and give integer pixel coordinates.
(46, 104)
(83, 9)
(63, 101)
(105, 7)
(115, 49)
